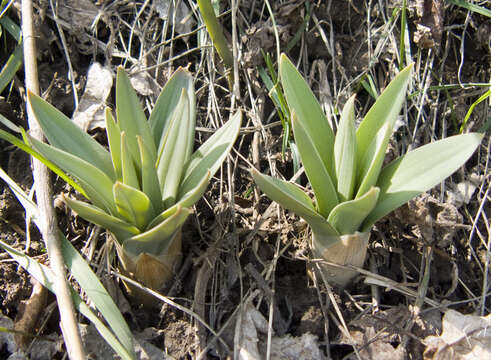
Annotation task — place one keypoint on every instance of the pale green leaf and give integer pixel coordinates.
(130, 116)
(29, 206)
(169, 142)
(96, 183)
(114, 138)
(121, 229)
(26, 147)
(45, 276)
(210, 154)
(11, 67)
(385, 110)
(84, 275)
(133, 205)
(129, 173)
(150, 181)
(345, 151)
(178, 152)
(96, 292)
(167, 103)
(301, 100)
(292, 198)
(325, 193)
(64, 134)
(347, 217)
(419, 170)
(187, 200)
(156, 240)
(373, 159)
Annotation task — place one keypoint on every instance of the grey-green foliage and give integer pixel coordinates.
(141, 190)
(352, 189)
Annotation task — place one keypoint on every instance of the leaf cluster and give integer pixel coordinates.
(352, 189)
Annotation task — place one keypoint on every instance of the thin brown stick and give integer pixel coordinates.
(47, 221)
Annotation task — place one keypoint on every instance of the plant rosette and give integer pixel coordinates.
(142, 189)
(352, 189)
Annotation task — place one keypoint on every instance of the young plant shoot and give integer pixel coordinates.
(352, 189)
(141, 190)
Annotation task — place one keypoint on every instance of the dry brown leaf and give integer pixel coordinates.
(28, 315)
(373, 335)
(433, 220)
(429, 23)
(464, 337)
(90, 111)
(251, 340)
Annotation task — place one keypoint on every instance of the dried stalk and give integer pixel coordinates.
(47, 221)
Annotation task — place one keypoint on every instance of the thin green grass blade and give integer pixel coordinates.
(301, 100)
(472, 7)
(150, 180)
(97, 293)
(471, 109)
(65, 135)
(11, 125)
(12, 28)
(292, 198)
(326, 196)
(210, 155)
(345, 152)
(419, 170)
(167, 103)
(45, 276)
(347, 217)
(97, 185)
(114, 139)
(402, 41)
(84, 275)
(216, 32)
(121, 229)
(130, 176)
(31, 151)
(155, 240)
(11, 67)
(29, 206)
(385, 110)
(133, 205)
(130, 116)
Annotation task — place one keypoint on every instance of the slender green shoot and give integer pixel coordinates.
(471, 109)
(472, 7)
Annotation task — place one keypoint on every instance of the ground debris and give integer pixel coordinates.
(374, 335)
(90, 111)
(464, 337)
(429, 23)
(433, 220)
(251, 334)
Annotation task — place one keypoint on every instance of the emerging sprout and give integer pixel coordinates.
(142, 189)
(351, 188)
